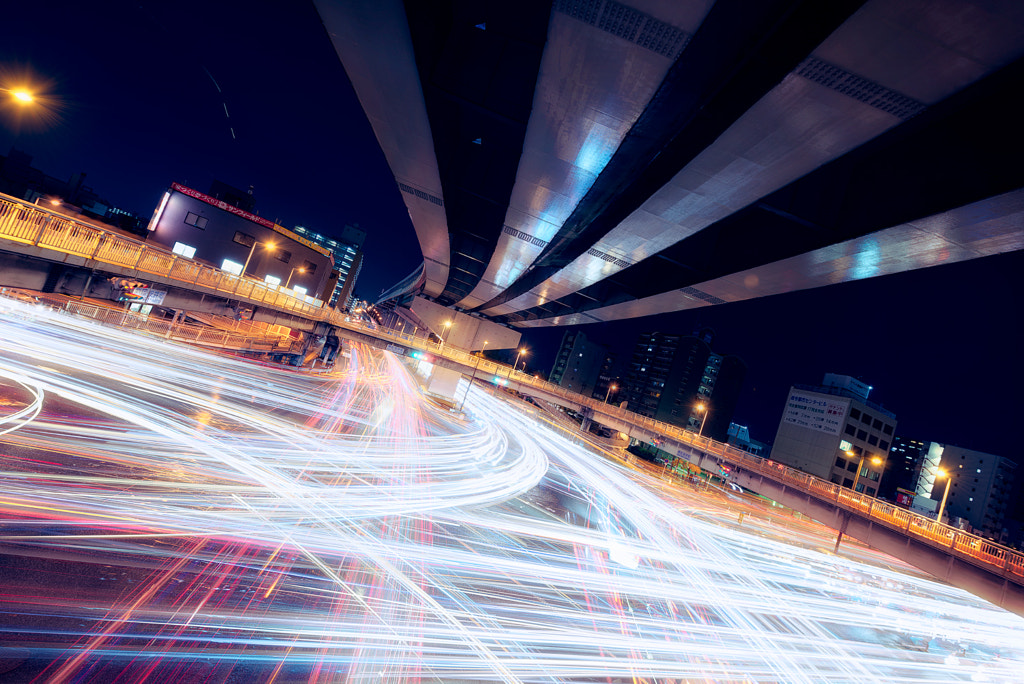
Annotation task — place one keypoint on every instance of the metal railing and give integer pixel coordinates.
(955, 541)
(28, 224)
(194, 334)
(40, 227)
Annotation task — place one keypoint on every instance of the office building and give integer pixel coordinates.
(673, 377)
(578, 363)
(739, 437)
(907, 458)
(198, 226)
(979, 488)
(348, 260)
(832, 430)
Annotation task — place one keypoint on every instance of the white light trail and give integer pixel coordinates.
(170, 513)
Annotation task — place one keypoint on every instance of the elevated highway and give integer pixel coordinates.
(975, 564)
(45, 251)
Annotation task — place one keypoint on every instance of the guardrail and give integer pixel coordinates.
(28, 224)
(40, 227)
(956, 542)
(195, 334)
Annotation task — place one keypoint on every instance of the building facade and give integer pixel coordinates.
(677, 378)
(199, 226)
(739, 437)
(578, 363)
(348, 260)
(832, 431)
(979, 488)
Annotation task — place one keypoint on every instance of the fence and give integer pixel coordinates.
(39, 227)
(32, 225)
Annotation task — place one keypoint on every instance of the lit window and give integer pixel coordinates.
(184, 250)
(272, 280)
(979, 470)
(299, 290)
(231, 267)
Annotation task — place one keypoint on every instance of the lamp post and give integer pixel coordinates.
(447, 327)
(945, 494)
(703, 409)
(471, 380)
(288, 282)
(875, 460)
(522, 350)
(268, 245)
(611, 386)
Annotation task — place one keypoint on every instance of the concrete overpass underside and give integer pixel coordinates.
(572, 162)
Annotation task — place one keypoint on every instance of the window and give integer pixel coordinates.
(195, 220)
(877, 424)
(282, 255)
(231, 267)
(244, 239)
(854, 413)
(850, 430)
(871, 491)
(884, 446)
(860, 486)
(847, 483)
(840, 463)
(851, 467)
(184, 250)
(873, 475)
(887, 429)
(866, 419)
(862, 435)
(272, 280)
(872, 440)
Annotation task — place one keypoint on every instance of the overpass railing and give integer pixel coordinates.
(195, 334)
(955, 541)
(29, 224)
(40, 227)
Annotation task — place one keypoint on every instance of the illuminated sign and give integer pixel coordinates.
(815, 412)
(224, 206)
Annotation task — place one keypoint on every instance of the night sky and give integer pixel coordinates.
(135, 96)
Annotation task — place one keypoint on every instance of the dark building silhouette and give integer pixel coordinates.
(579, 363)
(71, 197)
(670, 376)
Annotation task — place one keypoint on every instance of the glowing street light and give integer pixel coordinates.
(300, 269)
(945, 495)
(20, 95)
(703, 409)
(875, 460)
(447, 327)
(611, 387)
(522, 350)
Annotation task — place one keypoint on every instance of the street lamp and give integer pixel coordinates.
(20, 95)
(875, 460)
(268, 245)
(522, 351)
(300, 269)
(703, 409)
(945, 495)
(447, 326)
(611, 387)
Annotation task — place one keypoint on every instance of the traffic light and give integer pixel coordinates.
(421, 356)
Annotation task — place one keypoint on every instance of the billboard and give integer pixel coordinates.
(816, 412)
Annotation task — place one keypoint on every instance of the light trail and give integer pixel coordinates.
(174, 515)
